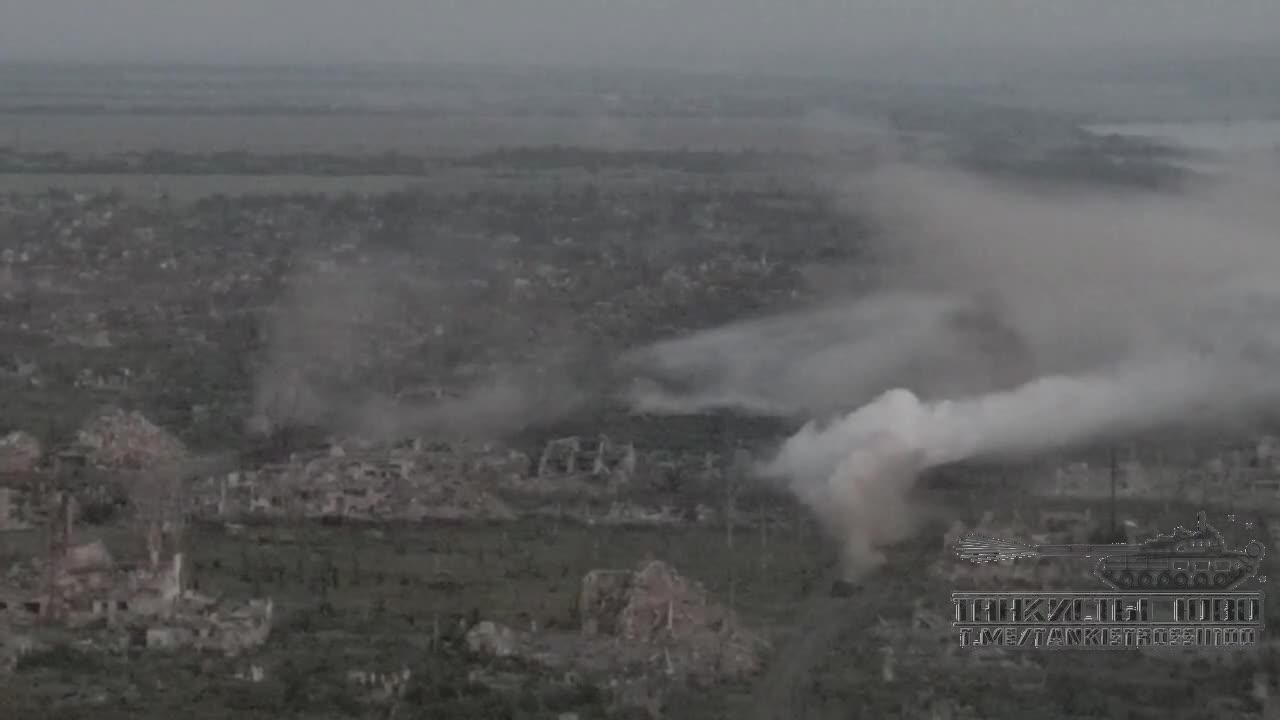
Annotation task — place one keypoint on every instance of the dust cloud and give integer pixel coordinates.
(365, 346)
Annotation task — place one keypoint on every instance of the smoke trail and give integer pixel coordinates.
(856, 473)
(1101, 316)
(821, 360)
(987, 287)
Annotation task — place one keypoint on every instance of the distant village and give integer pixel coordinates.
(153, 309)
(73, 588)
(144, 600)
(1241, 475)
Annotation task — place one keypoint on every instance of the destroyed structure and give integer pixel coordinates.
(651, 620)
(120, 440)
(575, 456)
(643, 633)
(1249, 474)
(20, 452)
(80, 585)
(15, 512)
(418, 480)
(657, 606)
(409, 482)
(381, 687)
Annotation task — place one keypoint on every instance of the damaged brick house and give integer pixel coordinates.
(80, 586)
(79, 583)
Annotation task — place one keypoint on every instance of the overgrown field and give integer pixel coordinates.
(385, 598)
(352, 597)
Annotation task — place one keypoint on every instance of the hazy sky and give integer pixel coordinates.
(664, 31)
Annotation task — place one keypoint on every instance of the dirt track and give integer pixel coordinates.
(781, 694)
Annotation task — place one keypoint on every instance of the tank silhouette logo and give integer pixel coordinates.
(1195, 559)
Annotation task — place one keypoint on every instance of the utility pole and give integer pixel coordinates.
(60, 526)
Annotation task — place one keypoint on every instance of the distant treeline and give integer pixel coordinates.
(562, 157)
(1151, 170)
(164, 162)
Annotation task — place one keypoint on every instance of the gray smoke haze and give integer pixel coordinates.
(1084, 278)
(831, 357)
(345, 351)
(707, 33)
(991, 287)
(313, 340)
(1130, 312)
(507, 402)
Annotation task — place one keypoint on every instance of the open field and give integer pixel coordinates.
(399, 596)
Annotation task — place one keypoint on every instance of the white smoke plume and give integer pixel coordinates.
(856, 472)
(1045, 413)
(826, 359)
(1122, 314)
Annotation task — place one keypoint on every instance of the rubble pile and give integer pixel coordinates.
(926, 634)
(666, 470)
(490, 638)
(79, 586)
(88, 592)
(13, 646)
(415, 480)
(643, 632)
(596, 457)
(382, 687)
(199, 624)
(664, 608)
(366, 484)
(628, 513)
(575, 467)
(658, 611)
(86, 568)
(116, 439)
(20, 452)
(653, 607)
(461, 500)
(602, 600)
(14, 510)
(1250, 473)
(600, 467)
(496, 464)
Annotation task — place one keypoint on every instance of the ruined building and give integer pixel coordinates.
(78, 585)
(20, 452)
(410, 482)
(14, 512)
(599, 458)
(656, 606)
